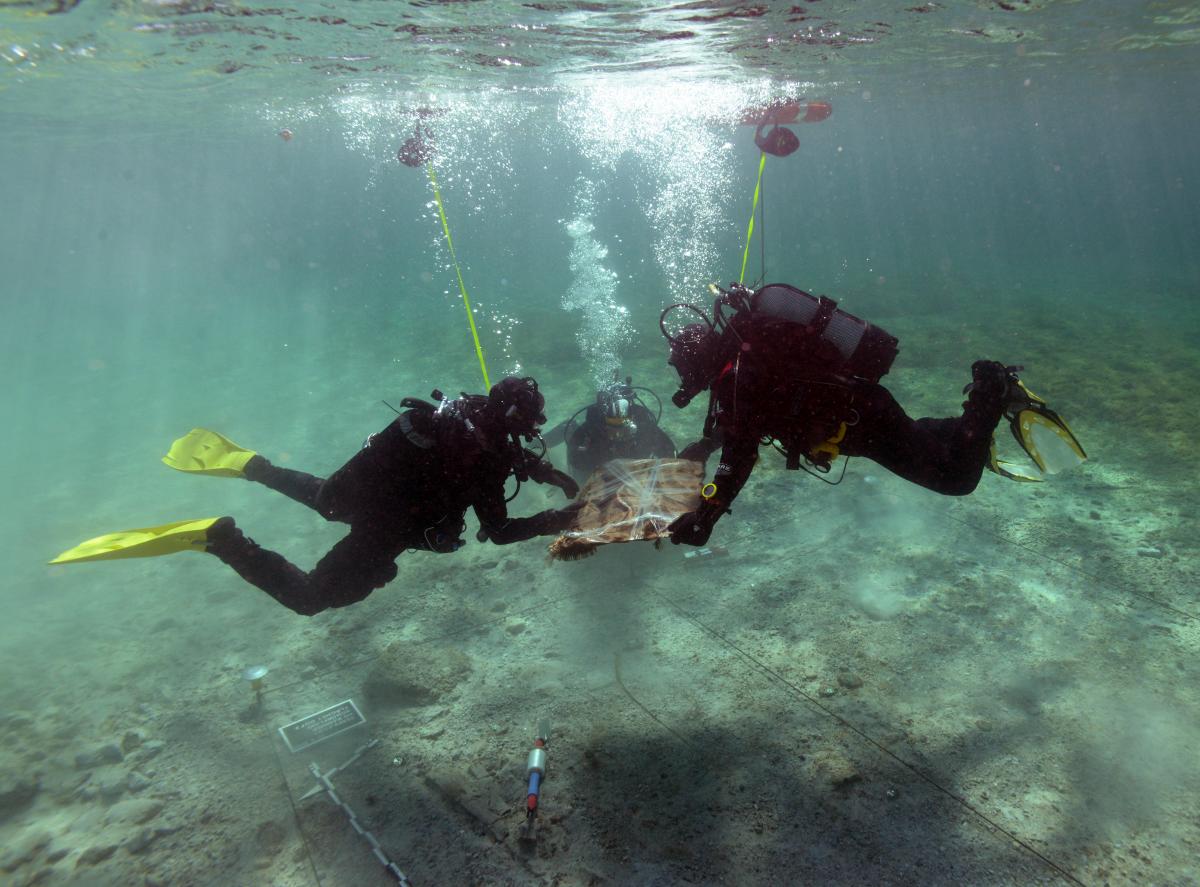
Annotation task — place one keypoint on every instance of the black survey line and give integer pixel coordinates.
(1099, 580)
(864, 736)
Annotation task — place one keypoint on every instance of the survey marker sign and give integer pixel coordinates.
(321, 725)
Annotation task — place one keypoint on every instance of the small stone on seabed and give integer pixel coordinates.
(111, 786)
(141, 840)
(150, 749)
(837, 768)
(17, 792)
(134, 812)
(105, 754)
(23, 850)
(96, 854)
(131, 740)
(849, 680)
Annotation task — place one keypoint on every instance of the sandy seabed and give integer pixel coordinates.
(874, 684)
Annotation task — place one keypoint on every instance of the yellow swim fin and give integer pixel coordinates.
(201, 451)
(1001, 467)
(1046, 437)
(1042, 433)
(187, 535)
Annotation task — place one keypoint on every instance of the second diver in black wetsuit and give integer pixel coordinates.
(407, 488)
(616, 426)
(791, 369)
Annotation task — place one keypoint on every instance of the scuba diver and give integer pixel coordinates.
(618, 425)
(408, 488)
(793, 370)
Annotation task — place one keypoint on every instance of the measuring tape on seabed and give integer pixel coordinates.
(325, 784)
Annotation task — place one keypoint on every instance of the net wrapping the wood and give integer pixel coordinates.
(629, 500)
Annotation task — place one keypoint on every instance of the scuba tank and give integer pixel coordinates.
(785, 327)
(851, 346)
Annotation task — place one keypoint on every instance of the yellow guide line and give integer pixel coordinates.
(462, 288)
(750, 228)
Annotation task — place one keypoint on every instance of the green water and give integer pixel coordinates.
(1019, 185)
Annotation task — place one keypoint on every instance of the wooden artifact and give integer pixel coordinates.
(630, 500)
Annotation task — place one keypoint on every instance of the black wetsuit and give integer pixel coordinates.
(591, 445)
(799, 411)
(408, 487)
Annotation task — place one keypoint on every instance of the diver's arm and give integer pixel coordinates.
(518, 529)
(496, 525)
(737, 461)
(700, 450)
(543, 472)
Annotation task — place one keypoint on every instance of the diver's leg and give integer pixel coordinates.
(296, 485)
(356, 566)
(944, 455)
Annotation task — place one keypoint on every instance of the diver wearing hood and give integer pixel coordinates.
(617, 425)
(408, 488)
(791, 369)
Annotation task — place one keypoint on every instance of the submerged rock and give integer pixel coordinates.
(41, 876)
(16, 722)
(149, 750)
(140, 842)
(137, 782)
(106, 754)
(17, 792)
(849, 680)
(135, 811)
(271, 837)
(110, 786)
(839, 770)
(23, 850)
(132, 740)
(96, 853)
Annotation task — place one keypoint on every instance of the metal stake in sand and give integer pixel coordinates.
(255, 675)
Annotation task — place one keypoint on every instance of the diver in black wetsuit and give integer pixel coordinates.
(408, 488)
(616, 426)
(787, 368)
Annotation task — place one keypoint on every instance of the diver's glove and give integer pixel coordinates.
(992, 380)
(699, 451)
(694, 527)
(544, 473)
(550, 522)
(561, 519)
(689, 529)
